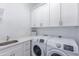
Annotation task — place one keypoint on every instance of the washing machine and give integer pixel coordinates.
(62, 47)
(39, 44)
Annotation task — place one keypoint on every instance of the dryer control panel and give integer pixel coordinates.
(68, 48)
(41, 40)
(69, 45)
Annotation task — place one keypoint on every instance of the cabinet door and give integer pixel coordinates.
(69, 13)
(54, 14)
(35, 18)
(14, 51)
(44, 15)
(18, 50)
(27, 48)
(7, 53)
(40, 16)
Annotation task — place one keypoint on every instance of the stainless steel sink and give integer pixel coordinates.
(8, 42)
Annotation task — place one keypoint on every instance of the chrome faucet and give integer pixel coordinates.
(7, 39)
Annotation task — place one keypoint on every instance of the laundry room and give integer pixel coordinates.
(39, 29)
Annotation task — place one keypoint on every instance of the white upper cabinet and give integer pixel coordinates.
(40, 16)
(63, 14)
(35, 17)
(69, 14)
(44, 16)
(54, 14)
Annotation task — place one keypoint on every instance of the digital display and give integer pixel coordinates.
(42, 40)
(68, 47)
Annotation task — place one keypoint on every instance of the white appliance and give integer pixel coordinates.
(62, 47)
(39, 45)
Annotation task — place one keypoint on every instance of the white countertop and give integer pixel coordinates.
(20, 40)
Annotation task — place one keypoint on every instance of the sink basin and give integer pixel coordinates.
(8, 42)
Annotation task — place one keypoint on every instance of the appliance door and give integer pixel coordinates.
(55, 52)
(37, 50)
